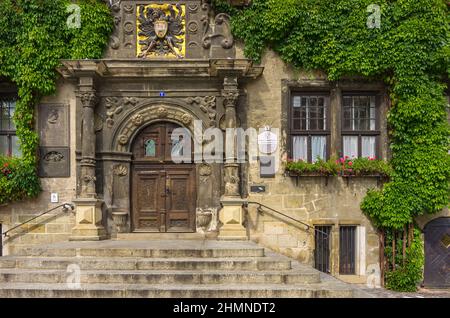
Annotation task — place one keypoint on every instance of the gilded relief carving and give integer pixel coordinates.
(161, 31)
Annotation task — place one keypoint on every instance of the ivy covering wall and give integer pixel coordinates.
(410, 52)
(34, 37)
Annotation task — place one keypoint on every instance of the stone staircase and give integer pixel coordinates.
(162, 269)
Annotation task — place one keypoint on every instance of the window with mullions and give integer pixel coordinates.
(9, 143)
(309, 127)
(360, 126)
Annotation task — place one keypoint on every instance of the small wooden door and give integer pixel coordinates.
(163, 193)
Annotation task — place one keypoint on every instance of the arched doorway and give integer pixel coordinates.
(437, 253)
(163, 193)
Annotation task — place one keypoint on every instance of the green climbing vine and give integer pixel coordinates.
(410, 52)
(34, 36)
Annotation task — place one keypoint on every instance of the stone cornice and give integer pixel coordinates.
(126, 68)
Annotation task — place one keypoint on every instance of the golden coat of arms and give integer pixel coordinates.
(161, 30)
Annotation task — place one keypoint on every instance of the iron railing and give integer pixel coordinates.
(65, 206)
(308, 227)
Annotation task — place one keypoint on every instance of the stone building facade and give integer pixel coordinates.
(105, 145)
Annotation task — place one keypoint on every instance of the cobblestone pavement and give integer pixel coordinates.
(421, 293)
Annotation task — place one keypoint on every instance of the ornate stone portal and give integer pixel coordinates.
(143, 81)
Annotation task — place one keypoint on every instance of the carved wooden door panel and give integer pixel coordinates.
(164, 198)
(180, 202)
(148, 199)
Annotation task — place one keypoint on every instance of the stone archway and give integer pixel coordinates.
(124, 135)
(437, 253)
(208, 177)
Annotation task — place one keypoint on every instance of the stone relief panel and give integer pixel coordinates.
(54, 162)
(54, 148)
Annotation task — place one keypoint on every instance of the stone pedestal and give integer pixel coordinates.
(232, 217)
(88, 221)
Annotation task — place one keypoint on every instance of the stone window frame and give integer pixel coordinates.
(362, 133)
(9, 133)
(309, 133)
(335, 91)
(290, 89)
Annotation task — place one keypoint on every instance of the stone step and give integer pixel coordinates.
(321, 290)
(160, 277)
(124, 263)
(147, 253)
(159, 236)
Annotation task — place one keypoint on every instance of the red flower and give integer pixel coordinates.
(342, 160)
(6, 165)
(350, 163)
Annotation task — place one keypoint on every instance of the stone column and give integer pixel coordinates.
(88, 225)
(231, 215)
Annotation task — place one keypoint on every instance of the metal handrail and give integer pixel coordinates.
(65, 206)
(286, 216)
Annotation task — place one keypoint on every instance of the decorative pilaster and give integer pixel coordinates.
(88, 219)
(230, 95)
(88, 101)
(231, 215)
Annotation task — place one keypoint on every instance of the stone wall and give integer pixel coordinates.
(314, 200)
(55, 226)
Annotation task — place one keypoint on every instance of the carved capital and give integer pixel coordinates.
(230, 98)
(89, 99)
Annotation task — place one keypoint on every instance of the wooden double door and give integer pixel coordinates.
(163, 193)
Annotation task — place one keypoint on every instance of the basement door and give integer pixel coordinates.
(437, 253)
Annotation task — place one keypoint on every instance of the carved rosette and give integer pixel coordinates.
(162, 112)
(137, 120)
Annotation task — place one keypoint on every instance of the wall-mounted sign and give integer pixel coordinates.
(267, 141)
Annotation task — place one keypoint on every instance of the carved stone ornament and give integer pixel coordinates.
(227, 42)
(89, 99)
(137, 120)
(98, 123)
(53, 117)
(205, 170)
(54, 156)
(123, 139)
(186, 119)
(161, 30)
(120, 170)
(162, 112)
(207, 105)
(115, 106)
(230, 98)
(204, 219)
(89, 179)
